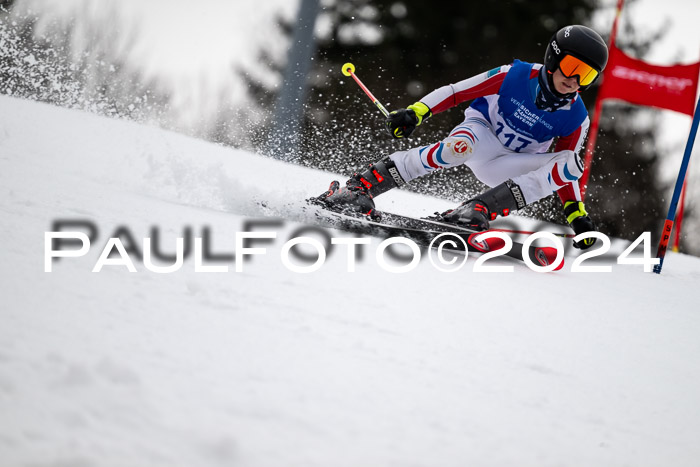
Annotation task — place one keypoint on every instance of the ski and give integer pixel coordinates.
(423, 231)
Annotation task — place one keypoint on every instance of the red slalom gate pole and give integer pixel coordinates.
(349, 70)
(595, 121)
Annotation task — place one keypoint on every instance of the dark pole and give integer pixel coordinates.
(668, 225)
(289, 110)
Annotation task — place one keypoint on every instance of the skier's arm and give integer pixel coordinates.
(570, 194)
(572, 142)
(401, 123)
(481, 85)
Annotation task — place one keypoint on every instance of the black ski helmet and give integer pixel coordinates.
(579, 41)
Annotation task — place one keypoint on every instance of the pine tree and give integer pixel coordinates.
(44, 64)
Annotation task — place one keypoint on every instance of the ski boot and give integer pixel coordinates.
(476, 213)
(357, 196)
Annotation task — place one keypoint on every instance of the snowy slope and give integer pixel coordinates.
(271, 367)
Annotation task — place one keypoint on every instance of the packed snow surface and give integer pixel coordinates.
(271, 367)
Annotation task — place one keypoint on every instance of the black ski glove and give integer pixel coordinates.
(401, 123)
(578, 218)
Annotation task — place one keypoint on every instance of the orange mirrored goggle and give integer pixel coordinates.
(571, 66)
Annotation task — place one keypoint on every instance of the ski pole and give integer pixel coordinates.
(349, 70)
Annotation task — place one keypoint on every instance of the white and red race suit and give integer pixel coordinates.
(505, 135)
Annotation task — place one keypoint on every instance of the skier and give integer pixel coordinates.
(517, 111)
